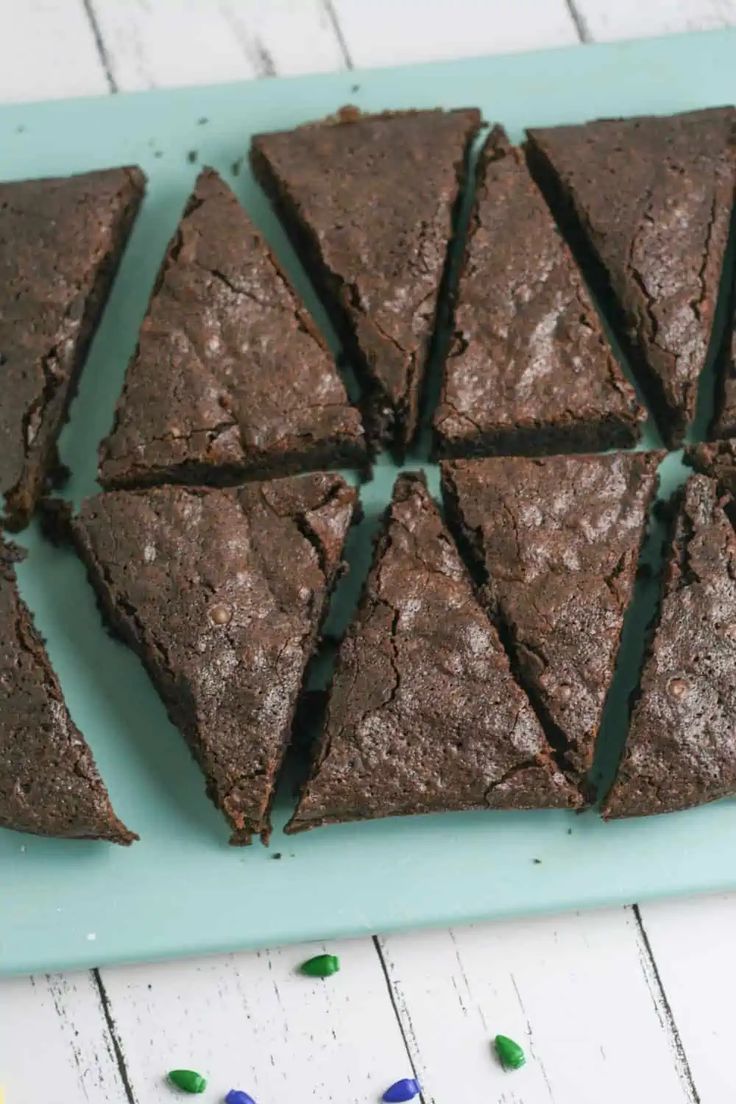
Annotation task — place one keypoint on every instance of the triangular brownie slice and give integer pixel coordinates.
(221, 593)
(649, 201)
(530, 370)
(424, 714)
(681, 747)
(230, 379)
(557, 541)
(368, 201)
(49, 784)
(60, 244)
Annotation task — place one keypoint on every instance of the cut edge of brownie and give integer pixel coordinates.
(386, 425)
(108, 826)
(60, 525)
(22, 499)
(324, 456)
(538, 439)
(671, 421)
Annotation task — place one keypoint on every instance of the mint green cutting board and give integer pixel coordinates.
(182, 890)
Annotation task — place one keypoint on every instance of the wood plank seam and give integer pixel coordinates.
(397, 1014)
(114, 1037)
(664, 1010)
(578, 19)
(335, 24)
(100, 44)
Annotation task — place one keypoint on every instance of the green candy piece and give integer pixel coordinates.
(188, 1080)
(510, 1054)
(324, 965)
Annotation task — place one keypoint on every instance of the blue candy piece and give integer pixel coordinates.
(236, 1096)
(406, 1089)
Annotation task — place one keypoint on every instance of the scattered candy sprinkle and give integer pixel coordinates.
(510, 1054)
(237, 1096)
(406, 1089)
(188, 1080)
(324, 965)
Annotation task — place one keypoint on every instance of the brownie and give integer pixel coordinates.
(556, 542)
(221, 592)
(368, 201)
(530, 370)
(49, 784)
(60, 244)
(230, 379)
(716, 459)
(681, 749)
(424, 714)
(724, 419)
(648, 203)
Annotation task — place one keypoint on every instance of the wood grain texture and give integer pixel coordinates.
(54, 1042)
(604, 21)
(173, 42)
(693, 946)
(251, 1021)
(575, 991)
(48, 51)
(384, 32)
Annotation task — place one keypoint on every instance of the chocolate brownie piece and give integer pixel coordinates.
(530, 370)
(221, 593)
(716, 459)
(648, 202)
(49, 784)
(556, 541)
(60, 244)
(681, 747)
(724, 419)
(230, 379)
(424, 714)
(368, 201)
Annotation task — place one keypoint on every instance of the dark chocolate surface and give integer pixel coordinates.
(49, 784)
(221, 593)
(557, 540)
(530, 370)
(230, 379)
(60, 244)
(424, 714)
(681, 747)
(368, 201)
(650, 199)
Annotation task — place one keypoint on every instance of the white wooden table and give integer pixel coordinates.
(627, 1006)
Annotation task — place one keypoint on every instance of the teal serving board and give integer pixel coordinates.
(182, 890)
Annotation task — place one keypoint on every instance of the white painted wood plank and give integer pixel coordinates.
(54, 1042)
(694, 948)
(604, 21)
(575, 991)
(47, 50)
(250, 1021)
(384, 32)
(163, 43)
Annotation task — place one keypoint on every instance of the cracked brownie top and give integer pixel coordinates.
(230, 379)
(424, 714)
